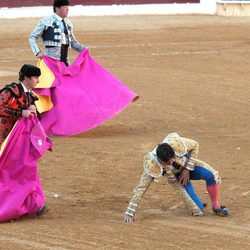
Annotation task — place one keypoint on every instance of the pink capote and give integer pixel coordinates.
(21, 191)
(84, 95)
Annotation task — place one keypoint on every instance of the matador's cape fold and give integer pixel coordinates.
(80, 97)
(21, 191)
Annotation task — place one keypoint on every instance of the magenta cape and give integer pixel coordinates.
(21, 191)
(84, 95)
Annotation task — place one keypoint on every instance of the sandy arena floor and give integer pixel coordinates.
(192, 74)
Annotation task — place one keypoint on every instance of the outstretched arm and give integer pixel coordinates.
(73, 42)
(137, 196)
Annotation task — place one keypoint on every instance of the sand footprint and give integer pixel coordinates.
(247, 193)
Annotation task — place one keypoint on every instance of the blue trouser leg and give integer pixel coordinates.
(191, 192)
(199, 173)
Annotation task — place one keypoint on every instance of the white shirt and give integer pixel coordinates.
(24, 88)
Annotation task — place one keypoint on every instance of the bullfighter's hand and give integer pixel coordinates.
(128, 219)
(27, 113)
(185, 177)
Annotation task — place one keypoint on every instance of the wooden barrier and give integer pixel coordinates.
(233, 8)
(18, 3)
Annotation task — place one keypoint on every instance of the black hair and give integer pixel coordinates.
(59, 3)
(28, 70)
(164, 152)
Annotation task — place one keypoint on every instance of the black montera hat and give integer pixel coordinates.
(29, 70)
(59, 3)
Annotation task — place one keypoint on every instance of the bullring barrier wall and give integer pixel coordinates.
(12, 8)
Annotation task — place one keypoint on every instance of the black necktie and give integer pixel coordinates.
(64, 47)
(29, 98)
(65, 28)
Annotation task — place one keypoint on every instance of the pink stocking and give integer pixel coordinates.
(214, 195)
